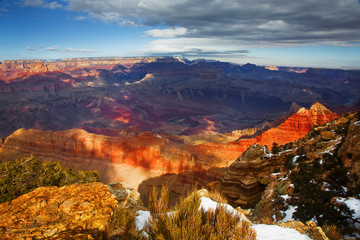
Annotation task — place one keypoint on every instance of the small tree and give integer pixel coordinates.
(275, 148)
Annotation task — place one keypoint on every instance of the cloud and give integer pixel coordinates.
(167, 33)
(31, 48)
(54, 49)
(83, 50)
(249, 22)
(41, 3)
(195, 48)
(80, 18)
(68, 50)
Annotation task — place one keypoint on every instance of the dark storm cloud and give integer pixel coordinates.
(249, 21)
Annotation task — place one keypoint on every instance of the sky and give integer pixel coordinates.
(307, 33)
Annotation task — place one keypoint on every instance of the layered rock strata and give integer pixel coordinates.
(135, 157)
(245, 180)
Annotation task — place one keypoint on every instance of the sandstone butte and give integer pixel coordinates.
(137, 158)
(13, 69)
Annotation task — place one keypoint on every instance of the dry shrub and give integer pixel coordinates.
(332, 232)
(217, 196)
(186, 221)
(123, 224)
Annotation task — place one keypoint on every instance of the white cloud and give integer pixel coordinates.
(54, 48)
(167, 33)
(31, 48)
(72, 50)
(41, 3)
(80, 18)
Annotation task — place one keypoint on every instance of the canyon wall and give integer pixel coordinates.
(134, 158)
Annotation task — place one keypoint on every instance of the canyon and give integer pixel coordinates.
(161, 94)
(135, 156)
(149, 120)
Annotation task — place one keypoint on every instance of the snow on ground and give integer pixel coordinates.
(273, 232)
(353, 204)
(141, 219)
(208, 204)
(264, 232)
(288, 213)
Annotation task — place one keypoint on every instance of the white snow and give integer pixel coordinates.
(285, 197)
(357, 123)
(141, 219)
(353, 204)
(208, 204)
(263, 231)
(273, 232)
(288, 213)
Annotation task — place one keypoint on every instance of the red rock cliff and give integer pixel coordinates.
(136, 158)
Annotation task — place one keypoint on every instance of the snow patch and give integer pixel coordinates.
(141, 219)
(273, 232)
(289, 213)
(353, 204)
(357, 123)
(208, 204)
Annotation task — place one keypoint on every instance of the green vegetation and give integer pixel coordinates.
(275, 148)
(316, 184)
(24, 175)
(186, 221)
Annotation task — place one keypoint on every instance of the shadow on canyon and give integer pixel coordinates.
(180, 184)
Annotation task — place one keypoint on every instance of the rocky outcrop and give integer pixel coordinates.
(310, 229)
(244, 132)
(244, 181)
(297, 125)
(78, 211)
(126, 195)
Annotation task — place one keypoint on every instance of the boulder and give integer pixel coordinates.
(78, 211)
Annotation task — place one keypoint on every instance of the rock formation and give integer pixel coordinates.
(297, 125)
(134, 156)
(244, 181)
(78, 211)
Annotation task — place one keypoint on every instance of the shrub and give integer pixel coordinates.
(187, 221)
(215, 194)
(123, 225)
(332, 232)
(24, 175)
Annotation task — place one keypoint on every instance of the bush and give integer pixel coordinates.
(24, 175)
(187, 221)
(332, 232)
(123, 224)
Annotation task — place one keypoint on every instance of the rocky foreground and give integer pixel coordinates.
(84, 211)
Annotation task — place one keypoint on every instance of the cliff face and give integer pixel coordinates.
(116, 158)
(136, 156)
(297, 125)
